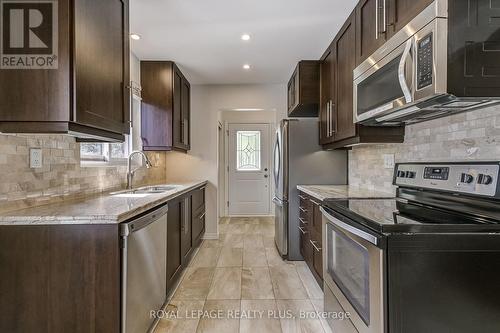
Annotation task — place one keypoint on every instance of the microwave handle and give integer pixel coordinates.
(401, 71)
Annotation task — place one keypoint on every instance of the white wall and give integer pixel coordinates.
(208, 103)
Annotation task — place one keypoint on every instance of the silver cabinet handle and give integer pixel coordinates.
(302, 197)
(303, 210)
(201, 216)
(313, 243)
(384, 21)
(328, 119)
(377, 11)
(302, 221)
(333, 130)
(302, 230)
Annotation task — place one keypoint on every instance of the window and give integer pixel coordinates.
(116, 152)
(248, 150)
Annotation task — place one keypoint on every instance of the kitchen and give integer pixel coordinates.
(175, 168)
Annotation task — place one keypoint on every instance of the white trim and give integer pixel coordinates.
(210, 235)
(271, 126)
(250, 216)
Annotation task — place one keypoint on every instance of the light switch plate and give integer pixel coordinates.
(35, 158)
(389, 161)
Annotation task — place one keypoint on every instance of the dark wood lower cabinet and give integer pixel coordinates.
(60, 278)
(67, 278)
(174, 237)
(310, 225)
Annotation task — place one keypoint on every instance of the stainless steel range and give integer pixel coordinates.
(426, 261)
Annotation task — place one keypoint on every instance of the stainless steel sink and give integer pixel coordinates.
(155, 189)
(147, 190)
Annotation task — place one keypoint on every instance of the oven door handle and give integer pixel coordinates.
(349, 228)
(401, 71)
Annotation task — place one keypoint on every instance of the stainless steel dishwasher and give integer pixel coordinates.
(144, 269)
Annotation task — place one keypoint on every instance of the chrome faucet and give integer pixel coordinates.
(130, 172)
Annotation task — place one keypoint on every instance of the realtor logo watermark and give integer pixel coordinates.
(29, 34)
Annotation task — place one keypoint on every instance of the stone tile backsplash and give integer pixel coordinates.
(474, 135)
(61, 176)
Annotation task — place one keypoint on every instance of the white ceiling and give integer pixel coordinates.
(203, 36)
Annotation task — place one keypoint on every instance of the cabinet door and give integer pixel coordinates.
(370, 27)
(401, 12)
(327, 97)
(101, 65)
(292, 92)
(198, 215)
(174, 256)
(156, 106)
(185, 114)
(186, 230)
(177, 109)
(345, 64)
(317, 255)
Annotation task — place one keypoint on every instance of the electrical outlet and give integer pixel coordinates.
(35, 158)
(389, 161)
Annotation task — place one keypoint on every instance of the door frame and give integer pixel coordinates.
(271, 128)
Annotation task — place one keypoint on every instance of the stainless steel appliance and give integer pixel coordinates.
(425, 261)
(144, 269)
(299, 159)
(435, 66)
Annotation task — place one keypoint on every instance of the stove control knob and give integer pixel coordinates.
(484, 179)
(466, 178)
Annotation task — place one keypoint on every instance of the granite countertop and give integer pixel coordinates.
(324, 192)
(108, 208)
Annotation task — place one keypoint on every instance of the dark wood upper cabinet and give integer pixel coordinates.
(379, 20)
(345, 42)
(87, 95)
(338, 129)
(370, 33)
(401, 12)
(327, 95)
(166, 109)
(303, 90)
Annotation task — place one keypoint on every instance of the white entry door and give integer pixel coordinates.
(249, 174)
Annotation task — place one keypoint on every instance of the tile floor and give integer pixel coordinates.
(239, 284)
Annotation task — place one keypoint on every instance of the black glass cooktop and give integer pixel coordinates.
(396, 215)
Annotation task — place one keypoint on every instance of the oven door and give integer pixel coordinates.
(354, 271)
(386, 86)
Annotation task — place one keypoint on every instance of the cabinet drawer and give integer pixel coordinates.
(198, 201)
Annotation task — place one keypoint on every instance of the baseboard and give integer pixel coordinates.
(248, 216)
(211, 235)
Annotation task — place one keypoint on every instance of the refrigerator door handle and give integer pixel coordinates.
(278, 202)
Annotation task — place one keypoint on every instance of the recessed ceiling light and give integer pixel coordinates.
(245, 37)
(135, 36)
(246, 66)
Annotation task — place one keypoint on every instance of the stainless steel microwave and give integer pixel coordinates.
(421, 73)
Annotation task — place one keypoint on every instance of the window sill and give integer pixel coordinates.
(102, 164)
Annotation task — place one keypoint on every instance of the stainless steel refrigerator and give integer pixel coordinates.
(300, 160)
